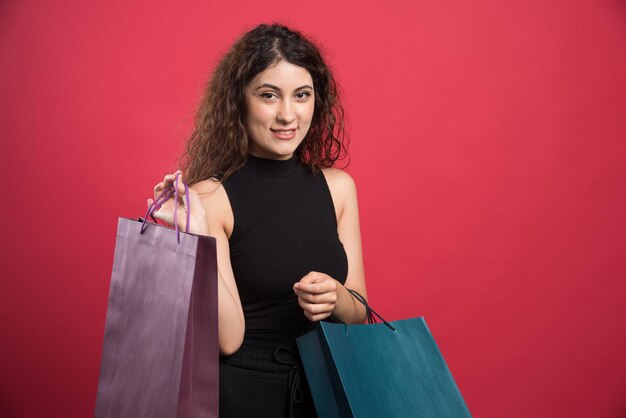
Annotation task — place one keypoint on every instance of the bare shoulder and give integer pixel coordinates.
(339, 181)
(206, 186)
(215, 201)
(342, 188)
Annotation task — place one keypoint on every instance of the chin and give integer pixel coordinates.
(277, 150)
(286, 151)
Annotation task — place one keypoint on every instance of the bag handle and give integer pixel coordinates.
(166, 194)
(371, 314)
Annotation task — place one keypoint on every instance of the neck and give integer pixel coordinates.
(272, 168)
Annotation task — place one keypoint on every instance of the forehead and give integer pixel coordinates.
(284, 75)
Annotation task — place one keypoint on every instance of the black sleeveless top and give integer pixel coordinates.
(284, 227)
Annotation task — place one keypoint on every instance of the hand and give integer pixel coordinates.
(317, 295)
(197, 218)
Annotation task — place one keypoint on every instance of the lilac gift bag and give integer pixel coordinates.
(160, 353)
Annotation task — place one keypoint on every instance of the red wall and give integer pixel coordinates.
(487, 145)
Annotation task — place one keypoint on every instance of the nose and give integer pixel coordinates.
(285, 114)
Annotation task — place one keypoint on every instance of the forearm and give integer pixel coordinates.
(347, 308)
(231, 323)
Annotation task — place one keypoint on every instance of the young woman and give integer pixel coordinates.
(259, 163)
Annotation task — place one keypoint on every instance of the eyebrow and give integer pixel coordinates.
(271, 86)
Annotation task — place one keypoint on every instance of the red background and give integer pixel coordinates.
(487, 146)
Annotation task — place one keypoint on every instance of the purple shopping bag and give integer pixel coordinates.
(160, 353)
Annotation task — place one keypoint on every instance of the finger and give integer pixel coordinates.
(168, 178)
(329, 297)
(307, 288)
(150, 202)
(314, 277)
(181, 183)
(315, 288)
(172, 176)
(170, 181)
(317, 317)
(158, 189)
(316, 308)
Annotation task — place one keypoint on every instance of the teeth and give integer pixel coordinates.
(283, 132)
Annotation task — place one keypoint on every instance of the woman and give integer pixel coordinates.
(259, 163)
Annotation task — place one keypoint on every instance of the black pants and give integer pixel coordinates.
(264, 381)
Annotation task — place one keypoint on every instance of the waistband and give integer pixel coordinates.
(274, 356)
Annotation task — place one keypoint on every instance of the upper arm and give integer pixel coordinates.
(220, 221)
(344, 195)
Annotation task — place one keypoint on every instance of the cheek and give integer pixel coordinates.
(260, 115)
(307, 112)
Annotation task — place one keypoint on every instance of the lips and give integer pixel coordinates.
(284, 134)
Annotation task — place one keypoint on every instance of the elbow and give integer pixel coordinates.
(229, 348)
(229, 344)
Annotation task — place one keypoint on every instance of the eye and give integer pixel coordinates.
(303, 95)
(267, 95)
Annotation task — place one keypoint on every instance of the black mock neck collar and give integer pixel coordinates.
(272, 168)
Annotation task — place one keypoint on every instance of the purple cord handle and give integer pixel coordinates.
(165, 195)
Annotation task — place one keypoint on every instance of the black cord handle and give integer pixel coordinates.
(369, 312)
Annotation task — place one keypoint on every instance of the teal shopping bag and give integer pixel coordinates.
(390, 369)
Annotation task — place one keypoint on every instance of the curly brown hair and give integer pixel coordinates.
(218, 145)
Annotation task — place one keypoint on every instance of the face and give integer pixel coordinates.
(280, 102)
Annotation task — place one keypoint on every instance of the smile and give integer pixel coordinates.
(284, 134)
